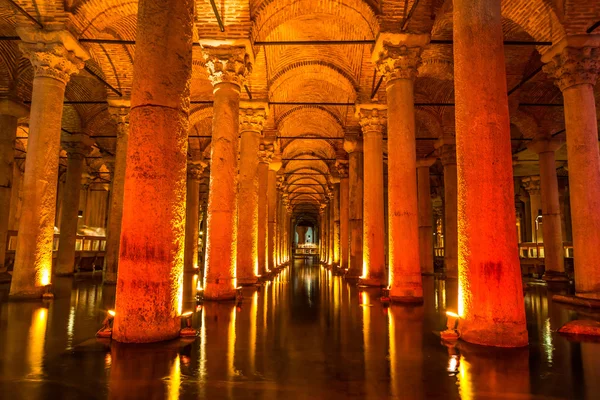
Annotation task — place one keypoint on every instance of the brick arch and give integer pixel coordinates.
(92, 16)
(295, 109)
(299, 68)
(525, 123)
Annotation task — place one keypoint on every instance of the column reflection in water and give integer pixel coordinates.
(375, 345)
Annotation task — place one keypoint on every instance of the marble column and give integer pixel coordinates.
(227, 67)
(336, 223)
(574, 64)
(55, 55)
(532, 186)
(265, 156)
(150, 279)
(554, 258)
(119, 112)
(491, 305)
(397, 57)
(274, 166)
(10, 112)
(77, 147)
(425, 215)
(342, 167)
(331, 226)
(446, 147)
(195, 173)
(372, 118)
(353, 146)
(252, 119)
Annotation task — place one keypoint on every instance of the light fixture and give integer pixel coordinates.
(106, 330)
(187, 330)
(80, 214)
(47, 295)
(451, 333)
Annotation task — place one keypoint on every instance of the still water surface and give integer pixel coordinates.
(306, 335)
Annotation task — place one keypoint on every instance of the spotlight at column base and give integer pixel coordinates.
(492, 333)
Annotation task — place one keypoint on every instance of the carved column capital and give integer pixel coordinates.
(446, 147)
(372, 117)
(266, 152)
(531, 185)
(195, 170)
(343, 167)
(352, 143)
(426, 162)
(227, 64)
(77, 146)
(253, 116)
(545, 145)
(119, 113)
(574, 66)
(398, 55)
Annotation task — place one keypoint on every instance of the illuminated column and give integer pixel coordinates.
(265, 155)
(274, 166)
(195, 171)
(372, 119)
(551, 217)
(227, 67)
(252, 119)
(331, 226)
(447, 150)
(119, 111)
(10, 112)
(77, 147)
(574, 64)
(532, 186)
(491, 303)
(323, 231)
(336, 223)
(353, 146)
(55, 56)
(150, 277)
(425, 215)
(397, 57)
(342, 166)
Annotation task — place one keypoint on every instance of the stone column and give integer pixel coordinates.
(336, 223)
(554, 258)
(227, 67)
(274, 166)
(574, 64)
(397, 57)
(252, 119)
(353, 146)
(77, 147)
(491, 306)
(150, 278)
(447, 151)
(265, 156)
(55, 56)
(10, 112)
(372, 119)
(342, 167)
(532, 186)
(331, 226)
(195, 171)
(425, 216)
(119, 112)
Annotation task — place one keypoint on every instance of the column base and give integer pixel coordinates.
(591, 300)
(407, 299)
(352, 278)
(35, 294)
(64, 274)
(109, 278)
(5, 277)
(247, 281)
(492, 333)
(554, 276)
(222, 291)
(374, 282)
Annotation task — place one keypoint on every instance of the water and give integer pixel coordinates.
(306, 335)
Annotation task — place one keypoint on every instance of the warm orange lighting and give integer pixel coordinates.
(452, 314)
(111, 313)
(187, 314)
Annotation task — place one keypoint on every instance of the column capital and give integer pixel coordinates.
(227, 61)
(398, 55)
(343, 167)
(118, 108)
(195, 170)
(426, 162)
(531, 185)
(54, 54)
(372, 117)
(446, 147)
(13, 108)
(575, 60)
(352, 143)
(545, 145)
(266, 152)
(276, 163)
(77, 145)
(253, 115)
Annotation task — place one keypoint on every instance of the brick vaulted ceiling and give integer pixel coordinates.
(315, 73)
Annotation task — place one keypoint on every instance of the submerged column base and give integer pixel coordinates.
(498, 334)
(377, 282)
(109, 278)
(247, 281)
(555, 276)
(220, 290)
(35, 294)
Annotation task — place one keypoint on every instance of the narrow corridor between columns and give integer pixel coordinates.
(305, 334)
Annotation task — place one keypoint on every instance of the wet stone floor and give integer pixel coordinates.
(306, 335)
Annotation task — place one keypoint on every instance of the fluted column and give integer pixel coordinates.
(77, 147)
(265, 156)
(532, 186)
(10, 112)
(491, 305)
(195, 173)
(397, 57)
(150, 278)
(554, 260)
(227, 67)
(353, 146)
(446, 147)
(274, 166)
(372, 119)
(574, 63)
(342, 167)
(119, 111)
(252, 119)
(425, 215)
(55, 55)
